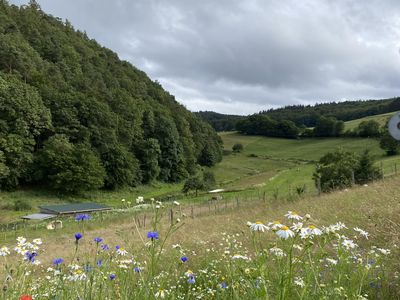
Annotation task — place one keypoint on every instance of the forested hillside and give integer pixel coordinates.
(73, 116)
(308, 115)
(220, 122)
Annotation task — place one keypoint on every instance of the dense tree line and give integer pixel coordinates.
(259, 124)
(73, 116)
(308, 115)
(220, 122)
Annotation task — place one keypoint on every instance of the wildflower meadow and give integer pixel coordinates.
(291, 258)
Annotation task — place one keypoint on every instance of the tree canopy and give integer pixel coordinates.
(59, 87)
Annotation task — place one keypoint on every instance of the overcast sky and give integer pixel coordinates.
(243, 56)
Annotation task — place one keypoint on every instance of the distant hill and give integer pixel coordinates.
(382, 119)
(220, 122)
(74, 116)
(308, 115)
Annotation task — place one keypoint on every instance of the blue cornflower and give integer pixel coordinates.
(152, 235)
(375, 285)
(112, 276)
(137, 270)
(30, 256)
(184, 259)
(58, 261)
(117, 247)
(223, 285)
(191, 279)
(88, 268)
(82, 217)
(98, 239)
(78, 236)
(104, 247)
(99, 262)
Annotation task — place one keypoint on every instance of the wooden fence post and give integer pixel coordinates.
(319, 186)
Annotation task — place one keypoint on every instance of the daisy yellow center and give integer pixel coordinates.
(277, 222)
(294, 213)
(258, 222)
(78, 272)
(312, 227)
(285, 228)
(121, 249)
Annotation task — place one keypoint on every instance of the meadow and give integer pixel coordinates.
(339, 245)
(381, 119)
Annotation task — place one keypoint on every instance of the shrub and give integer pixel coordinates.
(208, 180)
(237, 148)
(389, 144)
(20, 205)
(194, 183)
(337, 170)
(369, 129)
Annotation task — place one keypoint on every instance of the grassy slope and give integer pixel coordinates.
(381, 119)
(280, 164)
(375, 208)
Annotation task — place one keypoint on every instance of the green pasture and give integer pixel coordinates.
(281, 164)
(381, 119)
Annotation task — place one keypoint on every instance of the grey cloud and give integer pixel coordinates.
(244, 56)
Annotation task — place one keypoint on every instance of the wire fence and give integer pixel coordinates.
(193, 207)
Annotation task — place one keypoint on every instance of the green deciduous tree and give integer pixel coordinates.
(369, 129)
(194, 183)
(69, 168)
(338, 169)
(389, 144)
(122, 167)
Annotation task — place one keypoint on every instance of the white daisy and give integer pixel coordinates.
(275, 225)
(277, 252)
(297, 226)
(292, 215)
(259, 226)
(4, 251)
(238, 256)
(332, 261)
(304, 233)
(314, 230)
(284, 232)
(37, 241)
(384, 251)
(161, 294)
(299, 281)
(349, 244)
(122, 251)
(362, 232)
(21, 240)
